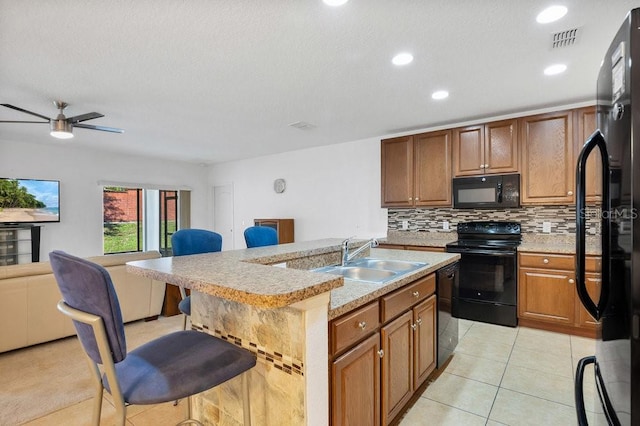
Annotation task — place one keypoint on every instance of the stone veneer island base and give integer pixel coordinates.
(279, 314)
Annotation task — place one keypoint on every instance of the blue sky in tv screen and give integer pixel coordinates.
(45, 191)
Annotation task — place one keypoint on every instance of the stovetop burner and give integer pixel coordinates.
(487, 236)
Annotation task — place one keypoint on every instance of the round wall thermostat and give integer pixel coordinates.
(279, 186)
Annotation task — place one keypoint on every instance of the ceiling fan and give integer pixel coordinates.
(61, 126)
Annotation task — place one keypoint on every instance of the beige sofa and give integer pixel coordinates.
(29, 295)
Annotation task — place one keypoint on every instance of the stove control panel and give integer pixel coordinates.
(489, 228)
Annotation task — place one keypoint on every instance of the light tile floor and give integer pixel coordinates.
(497, 376)
(506, 376)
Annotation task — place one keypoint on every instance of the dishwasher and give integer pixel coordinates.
(447, 278)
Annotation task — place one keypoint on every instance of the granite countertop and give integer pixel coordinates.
(419, 238)
(357, 293)
(558, 243)
(246, 276)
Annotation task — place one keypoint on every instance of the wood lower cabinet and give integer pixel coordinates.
(486, 148)
(379, 357)
(355, 390)
(416, 170)
(547, 296)
(547, 159)
(424, 349)
(397, 365)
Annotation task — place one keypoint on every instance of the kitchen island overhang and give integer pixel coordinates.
(281, 315)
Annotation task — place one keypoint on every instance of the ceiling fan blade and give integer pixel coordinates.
(102, 128)
(14, 121)
(27, 112)
(84, 117)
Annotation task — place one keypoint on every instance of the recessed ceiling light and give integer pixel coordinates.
(402, 58)
(550, 14)
(334, 3)
(440, 94)
(555, 69)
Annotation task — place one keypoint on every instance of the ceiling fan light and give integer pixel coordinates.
(61, 129)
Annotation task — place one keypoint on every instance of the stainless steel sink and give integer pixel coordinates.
(390, 265)
(373, 270)
(359, 273)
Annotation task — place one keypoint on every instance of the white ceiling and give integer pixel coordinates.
(219, 80)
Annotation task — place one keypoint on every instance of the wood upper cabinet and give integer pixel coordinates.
(486, 149)
(416, 170)
(547, 158)
(397, 172)
(355, 393)
(585, 119)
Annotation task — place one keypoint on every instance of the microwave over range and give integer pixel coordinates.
(486, 192)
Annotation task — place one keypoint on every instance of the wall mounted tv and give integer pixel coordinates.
(29, 201)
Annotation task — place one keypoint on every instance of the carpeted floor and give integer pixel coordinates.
(44, 378)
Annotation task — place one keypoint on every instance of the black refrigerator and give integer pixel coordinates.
(616, 363)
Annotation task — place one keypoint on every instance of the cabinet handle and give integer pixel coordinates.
(416, 294)
(545, 261)
(410, 198)
(362, 324)
(380, 353)
(569, 192)
(417, 199)
(419, 321)
(571, 281)
(414, 326)
(486, 166)
(482, 166)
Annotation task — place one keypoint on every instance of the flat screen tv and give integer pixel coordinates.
(29, 201)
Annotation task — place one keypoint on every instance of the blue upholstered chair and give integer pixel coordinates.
(259, 236)
(160, 370)
(193, 241)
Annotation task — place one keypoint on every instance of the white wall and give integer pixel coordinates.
(332, 191)
(79, 170)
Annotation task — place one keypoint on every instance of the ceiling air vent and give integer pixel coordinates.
(302, 125)
(564, 38)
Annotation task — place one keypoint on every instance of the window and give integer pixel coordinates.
(137, 219)
(123, 223)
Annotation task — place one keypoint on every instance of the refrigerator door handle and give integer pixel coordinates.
(579, 393)
(595, 140)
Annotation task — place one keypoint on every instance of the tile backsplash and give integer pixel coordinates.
(531, 218)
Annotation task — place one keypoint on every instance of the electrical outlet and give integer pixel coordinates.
(546, 227)
(405, 225)
(445, 225)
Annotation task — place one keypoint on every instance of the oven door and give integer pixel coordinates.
(486, 276)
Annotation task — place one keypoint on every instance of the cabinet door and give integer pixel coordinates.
(424, 341)
(501, 147)
(432, 169)
(547, 166)
(586, 125)
(546, 295)
(397, 365)
(468, 151)
(397, 172)
(593, 282)
(355, 388)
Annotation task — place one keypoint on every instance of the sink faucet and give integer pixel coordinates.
(346, 256)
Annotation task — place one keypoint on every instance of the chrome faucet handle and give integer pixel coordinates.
(374, 243)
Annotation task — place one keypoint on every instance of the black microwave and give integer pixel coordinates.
(486, 192)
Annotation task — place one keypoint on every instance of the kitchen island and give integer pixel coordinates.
(279, 313)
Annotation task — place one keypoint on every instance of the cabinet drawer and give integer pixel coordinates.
(349, 329)
(400, 300)
(593, 264)
(548, 261)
